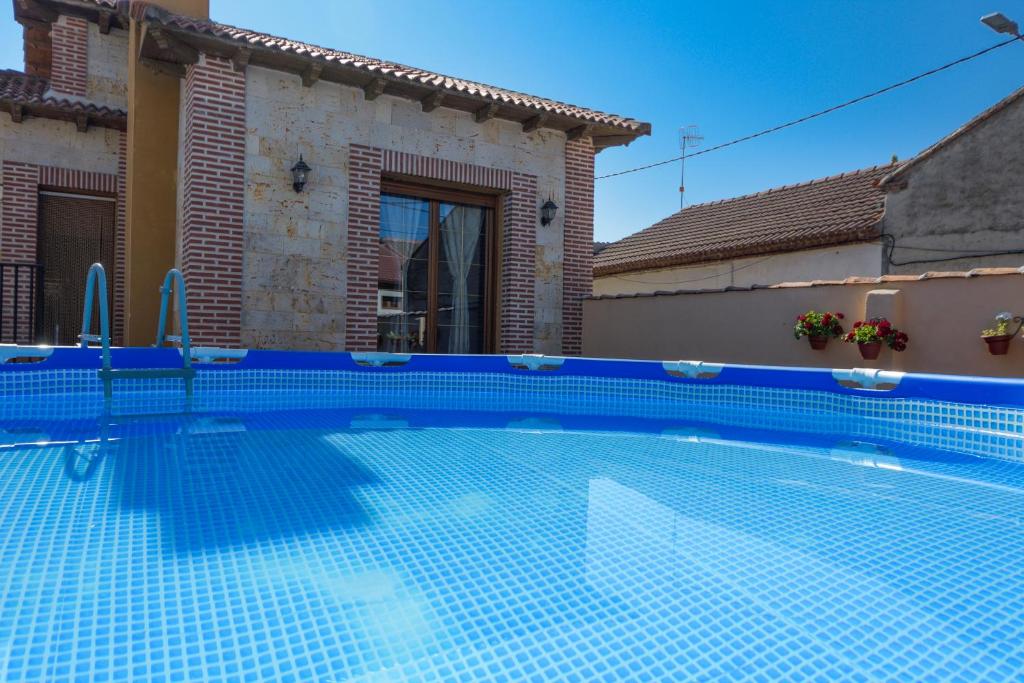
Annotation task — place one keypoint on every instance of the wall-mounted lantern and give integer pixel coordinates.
(547, 212)
(300, 172)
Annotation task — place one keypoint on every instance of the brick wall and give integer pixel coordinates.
(366, 164)
(364, 168)
(578, 261)
(518, 265)
(70, 62)
(213, 179)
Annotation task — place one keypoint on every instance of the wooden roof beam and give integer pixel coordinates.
(432, 101)
(36, 10)
(240, 59)
(17, 112)
(312, 74)
(104, 20)
(374, 88)
(486, 112)
(602, 141)
(578, 132)
(170, 46)
(534, 122)
(82, 122)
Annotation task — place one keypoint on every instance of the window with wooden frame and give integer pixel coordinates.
(436, 271)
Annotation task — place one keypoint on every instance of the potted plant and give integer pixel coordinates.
(869, 335)
(818, 328)
(998, 336)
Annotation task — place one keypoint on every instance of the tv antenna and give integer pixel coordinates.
(689, 138)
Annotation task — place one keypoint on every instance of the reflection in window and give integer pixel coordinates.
(432, 275)
(401, 274)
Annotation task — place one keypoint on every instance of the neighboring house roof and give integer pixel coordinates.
(890, 181)
(829, 211)
(21, 94)
(600, 246)
(177, 35)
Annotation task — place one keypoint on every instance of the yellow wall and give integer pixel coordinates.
(152, 160)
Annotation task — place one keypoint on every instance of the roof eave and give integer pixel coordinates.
(603, 135)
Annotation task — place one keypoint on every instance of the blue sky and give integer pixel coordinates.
(730, 67)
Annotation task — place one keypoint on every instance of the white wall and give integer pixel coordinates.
(835, 263)
(295, 244)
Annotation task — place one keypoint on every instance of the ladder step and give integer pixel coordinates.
(148, 373)
(91, 337)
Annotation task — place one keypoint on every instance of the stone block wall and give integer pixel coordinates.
(298, 272)
(107, 67)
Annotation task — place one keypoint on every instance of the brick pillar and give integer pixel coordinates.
(364, 169)
(213, 177)
(578, 240)
(519, 265)
(18, 231)
(70, 62)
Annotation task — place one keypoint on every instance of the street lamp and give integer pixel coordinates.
(1000, 23)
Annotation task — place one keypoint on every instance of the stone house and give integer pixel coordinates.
(957, 205)
(438, 214)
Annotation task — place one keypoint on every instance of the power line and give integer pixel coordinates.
(815, 115)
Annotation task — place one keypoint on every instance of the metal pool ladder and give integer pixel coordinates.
(98, 277)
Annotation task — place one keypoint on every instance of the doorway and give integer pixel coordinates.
(75, 231)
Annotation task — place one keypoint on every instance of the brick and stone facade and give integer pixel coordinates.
(310, 277)
(267, 266)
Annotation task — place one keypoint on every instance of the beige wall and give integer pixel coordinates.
(107, 80)
(834, 263)
(294, 270)
(943, 317)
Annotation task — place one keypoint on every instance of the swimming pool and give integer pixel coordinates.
(306, 517)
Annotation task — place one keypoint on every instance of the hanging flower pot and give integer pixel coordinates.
(869, 335)
(818, 328)
(998, 345)
(998, 336)
(869, 350)
(818, 343)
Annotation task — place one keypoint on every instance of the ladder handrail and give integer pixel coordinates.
(174, 277)
(96, 274)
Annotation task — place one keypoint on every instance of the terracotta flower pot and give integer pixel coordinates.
(998, 345)
(869, 350)
(818, 343)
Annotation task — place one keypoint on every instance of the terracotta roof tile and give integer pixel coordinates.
(391, 70)
(20, 88)
(834, 210)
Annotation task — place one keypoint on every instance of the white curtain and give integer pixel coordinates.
(403, 225)
(459, 235)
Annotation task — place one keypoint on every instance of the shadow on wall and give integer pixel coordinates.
(943, 313)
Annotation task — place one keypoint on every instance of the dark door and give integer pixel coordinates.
(74, 232)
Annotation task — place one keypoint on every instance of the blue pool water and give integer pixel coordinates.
(387, 544)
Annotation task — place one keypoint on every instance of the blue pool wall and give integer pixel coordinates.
(988, 391)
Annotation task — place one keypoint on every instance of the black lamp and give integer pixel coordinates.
(547, 212)
(299, 173)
